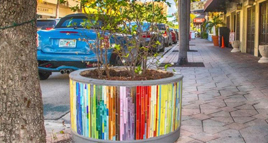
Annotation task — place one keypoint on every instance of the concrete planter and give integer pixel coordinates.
(125, 111)
(264, 53)
(236, 45)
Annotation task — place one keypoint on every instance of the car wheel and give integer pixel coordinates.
(162, 48)
(44, 75)
(166, 43)
(115, 60)
(170, 42)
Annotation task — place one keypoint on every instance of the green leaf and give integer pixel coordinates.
(158, 43)
(117, 47)
(167, 65)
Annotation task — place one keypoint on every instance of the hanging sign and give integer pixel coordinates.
(199, 20)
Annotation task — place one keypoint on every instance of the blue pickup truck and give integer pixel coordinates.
(63, 49)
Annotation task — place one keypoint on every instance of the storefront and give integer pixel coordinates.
(248, 19)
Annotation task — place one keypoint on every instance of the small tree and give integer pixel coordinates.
(123, 22)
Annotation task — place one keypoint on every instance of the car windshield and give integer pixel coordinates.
(79, 23)
(161, 26)
(45, 23)
(145, 26)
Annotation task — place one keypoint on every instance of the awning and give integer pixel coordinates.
(198, 11)
(215, 6)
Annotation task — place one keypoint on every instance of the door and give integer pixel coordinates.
(228, 22)
(263, 33)
(250, 30)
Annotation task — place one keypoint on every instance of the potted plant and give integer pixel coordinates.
(264, 53)
(133, 102)
(204, 34)
(215, 22)
(235, 45)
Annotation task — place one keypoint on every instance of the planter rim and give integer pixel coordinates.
(159, 139)
(75, 76)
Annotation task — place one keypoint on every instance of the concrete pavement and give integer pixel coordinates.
(224, 102)
(227, 100)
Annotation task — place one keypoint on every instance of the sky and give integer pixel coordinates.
(171, 9)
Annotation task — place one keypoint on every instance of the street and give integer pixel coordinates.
(55, 93)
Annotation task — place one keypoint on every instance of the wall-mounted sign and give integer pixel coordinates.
(232, 37)
(44, 10)
(199, 20)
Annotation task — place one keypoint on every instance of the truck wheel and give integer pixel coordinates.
(44, 75)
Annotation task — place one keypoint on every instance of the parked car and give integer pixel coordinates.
(151, 34)
(177, 33)
(165, 34)
(46, 24)
(62, 50)
(174, 36)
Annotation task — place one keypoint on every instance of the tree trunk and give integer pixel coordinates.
(58, 9)
(21, 107)
(188, 23)
(183, 32)
(80, 7)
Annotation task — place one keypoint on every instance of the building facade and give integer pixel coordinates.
(248, 19)
(48, 8)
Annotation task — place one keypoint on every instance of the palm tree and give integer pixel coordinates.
(204, 27)
(215, 22)
(183, 32)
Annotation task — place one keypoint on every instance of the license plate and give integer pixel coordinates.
(68, 43)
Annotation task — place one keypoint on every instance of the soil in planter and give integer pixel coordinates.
(125, 75)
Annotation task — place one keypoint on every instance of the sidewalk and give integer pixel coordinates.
(224, 102)
(227, 100)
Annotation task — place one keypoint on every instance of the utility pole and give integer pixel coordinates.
(183, 32)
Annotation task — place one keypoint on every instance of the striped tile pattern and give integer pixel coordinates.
(124, 113)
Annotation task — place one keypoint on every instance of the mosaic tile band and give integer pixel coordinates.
(125, 113)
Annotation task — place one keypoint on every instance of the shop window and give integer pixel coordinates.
(263, 31)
